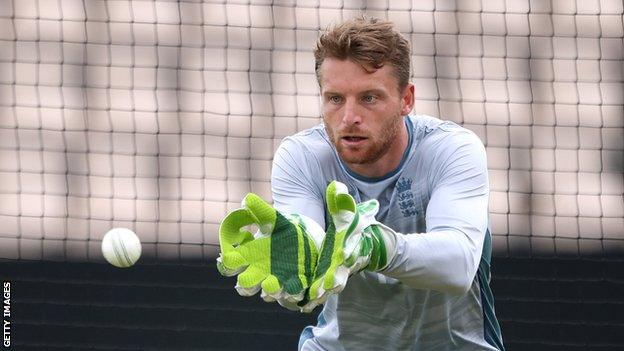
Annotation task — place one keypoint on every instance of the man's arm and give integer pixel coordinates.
(293, 191)
(447, 256)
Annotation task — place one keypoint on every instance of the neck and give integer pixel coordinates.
(388, 162)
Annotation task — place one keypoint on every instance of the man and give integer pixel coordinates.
(429, 180)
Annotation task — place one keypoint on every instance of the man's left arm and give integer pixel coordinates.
(447, 256)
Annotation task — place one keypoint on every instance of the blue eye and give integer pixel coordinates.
(369, 98)
(335, 99)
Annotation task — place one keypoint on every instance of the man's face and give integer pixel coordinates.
(363, 110)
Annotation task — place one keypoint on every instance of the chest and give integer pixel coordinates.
(403, 202)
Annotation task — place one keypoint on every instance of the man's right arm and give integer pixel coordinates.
(292, 186)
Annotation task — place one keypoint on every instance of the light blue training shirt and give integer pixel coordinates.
(434, 294)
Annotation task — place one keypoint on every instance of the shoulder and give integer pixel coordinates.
(312, 142)
(444, 148)
(438, 136)
(304, 157)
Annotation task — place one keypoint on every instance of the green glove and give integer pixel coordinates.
(281, 257)
(354, 241)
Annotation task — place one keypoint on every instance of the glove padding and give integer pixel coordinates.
(353, 241)
(279, 260)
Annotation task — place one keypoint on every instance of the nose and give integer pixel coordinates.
(351, 114)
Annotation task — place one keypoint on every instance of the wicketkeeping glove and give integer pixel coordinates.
(354, 241)
(279, 259)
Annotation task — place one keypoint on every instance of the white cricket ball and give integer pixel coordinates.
(121, 247)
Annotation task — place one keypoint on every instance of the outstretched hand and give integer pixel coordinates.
(279, 259)
(353, 242)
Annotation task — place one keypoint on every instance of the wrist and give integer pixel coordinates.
(383, 240)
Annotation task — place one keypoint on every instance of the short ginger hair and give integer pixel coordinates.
(367, 41)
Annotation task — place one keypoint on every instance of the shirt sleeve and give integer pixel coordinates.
(291, 183)
(446, 257)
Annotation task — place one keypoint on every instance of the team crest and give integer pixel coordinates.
(406, 197)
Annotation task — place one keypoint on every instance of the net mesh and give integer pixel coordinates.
(159, 116)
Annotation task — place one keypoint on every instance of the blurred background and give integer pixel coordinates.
(159, 116)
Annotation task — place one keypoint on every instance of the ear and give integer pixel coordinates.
(407, 99)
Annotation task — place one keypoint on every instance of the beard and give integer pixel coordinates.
(376, 145)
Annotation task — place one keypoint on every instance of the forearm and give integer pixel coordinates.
(445, 261)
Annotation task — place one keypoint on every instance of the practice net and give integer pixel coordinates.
(160, 116)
